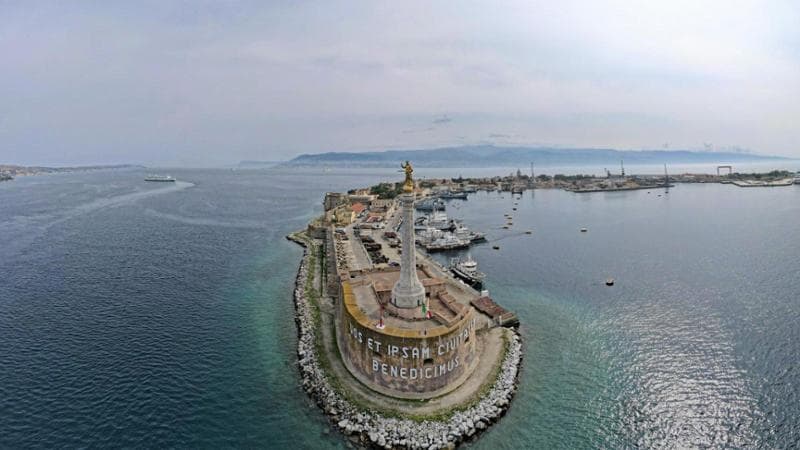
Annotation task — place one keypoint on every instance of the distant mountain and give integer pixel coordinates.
(491, 156)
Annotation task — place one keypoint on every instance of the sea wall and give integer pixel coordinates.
(372, 429)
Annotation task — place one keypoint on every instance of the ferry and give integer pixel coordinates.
(160, 178)
(467, 270)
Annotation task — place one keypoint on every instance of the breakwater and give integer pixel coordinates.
(369, 428)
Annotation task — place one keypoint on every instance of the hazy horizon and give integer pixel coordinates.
(210, 84)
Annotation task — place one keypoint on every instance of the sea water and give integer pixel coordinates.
(160, 315)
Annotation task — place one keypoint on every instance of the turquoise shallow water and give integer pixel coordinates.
(137, 314)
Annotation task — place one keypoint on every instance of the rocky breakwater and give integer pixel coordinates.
(371, 429)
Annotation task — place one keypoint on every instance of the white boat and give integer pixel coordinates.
(427, 235)
(437, 219)
(447, 242)
(462, 232)
(467, 270)
(797, 178)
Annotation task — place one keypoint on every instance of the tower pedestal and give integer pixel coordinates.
(408, 292)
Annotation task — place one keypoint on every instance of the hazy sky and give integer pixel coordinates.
(205, 83)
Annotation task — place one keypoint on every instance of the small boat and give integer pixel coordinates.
(529, 232)
(505, 227)
(609, 281)
(496, 247)
(514, 209)
(160, 178)
(584, 230)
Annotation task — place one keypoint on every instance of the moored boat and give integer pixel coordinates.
(430, 204)
(446, 242)
(467, 270)
(461, 195)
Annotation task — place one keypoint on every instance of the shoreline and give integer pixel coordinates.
(368, 428)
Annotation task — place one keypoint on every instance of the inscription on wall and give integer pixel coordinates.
(435, 361)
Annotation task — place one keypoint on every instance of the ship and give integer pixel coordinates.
(434, 240)
(160, 178)
(462, 232)
(447, 195)
(437, 219)
(430, 204)
(447, 242)
(467, 270)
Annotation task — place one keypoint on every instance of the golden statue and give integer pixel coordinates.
(408, 186)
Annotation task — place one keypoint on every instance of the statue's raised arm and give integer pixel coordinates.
(408, 186)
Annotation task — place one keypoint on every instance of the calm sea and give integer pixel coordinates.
(152, 315)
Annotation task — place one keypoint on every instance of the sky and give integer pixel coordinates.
(211, 83)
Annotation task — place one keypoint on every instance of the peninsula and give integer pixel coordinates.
(9, 171)
(400, 354)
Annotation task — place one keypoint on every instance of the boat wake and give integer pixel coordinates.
(206, 221)
(21, 225)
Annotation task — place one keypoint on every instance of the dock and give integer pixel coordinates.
(498, 314)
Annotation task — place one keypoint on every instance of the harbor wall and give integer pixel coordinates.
(405, 363)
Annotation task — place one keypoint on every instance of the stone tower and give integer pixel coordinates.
(408, 292)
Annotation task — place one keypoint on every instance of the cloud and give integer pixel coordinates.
(418, 130)
(155, 82)
(442, 120)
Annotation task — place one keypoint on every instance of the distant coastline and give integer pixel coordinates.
(9, 171)
(492, 156)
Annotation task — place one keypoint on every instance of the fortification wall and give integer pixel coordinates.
(405, 363)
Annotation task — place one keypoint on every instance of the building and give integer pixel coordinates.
(381, 204)
(358, 208)
(333, 199)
